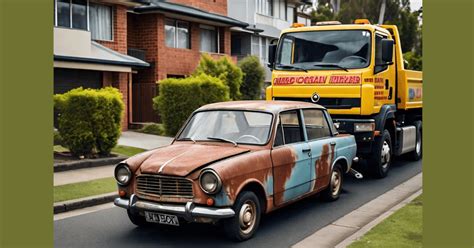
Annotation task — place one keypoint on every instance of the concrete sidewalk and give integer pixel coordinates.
(128, 138)
(144, 141)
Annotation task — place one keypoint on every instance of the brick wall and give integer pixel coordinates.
(119, 42)
(120, 81)
(214, 6)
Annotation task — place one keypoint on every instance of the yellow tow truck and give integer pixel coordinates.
(358, 73)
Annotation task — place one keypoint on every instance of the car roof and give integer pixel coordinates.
(260, 105)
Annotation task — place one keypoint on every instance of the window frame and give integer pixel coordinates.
(112, 20)
(175, 43)
(301, 126)
(70, 16)
(217, 30)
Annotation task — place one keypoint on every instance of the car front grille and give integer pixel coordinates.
(164, 186)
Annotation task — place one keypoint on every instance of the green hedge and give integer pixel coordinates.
(224, 69)
(178, 98)
(254, 76)
(89, 120)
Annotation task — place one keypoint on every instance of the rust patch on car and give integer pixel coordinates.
(323, 167)
(284, 161)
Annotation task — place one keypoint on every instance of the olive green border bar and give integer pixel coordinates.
(26, 81)
(448, 108)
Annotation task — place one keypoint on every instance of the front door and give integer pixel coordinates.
(291, 159)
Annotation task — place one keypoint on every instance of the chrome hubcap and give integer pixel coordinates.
(418, 146)
(385, 156)
(336, 182)
(247, 216)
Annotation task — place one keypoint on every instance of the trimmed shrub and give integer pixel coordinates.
(57, 139)
(224, 69)
(178, 98)
(89, 120)
(254, 76)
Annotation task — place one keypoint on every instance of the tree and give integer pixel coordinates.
(254, 75)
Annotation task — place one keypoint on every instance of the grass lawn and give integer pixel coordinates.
(122, 150)
(84, 189)
(402, 229)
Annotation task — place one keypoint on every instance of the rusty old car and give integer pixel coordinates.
(233, 162)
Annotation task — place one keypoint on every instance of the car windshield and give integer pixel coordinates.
(237, 127)
(323, 50)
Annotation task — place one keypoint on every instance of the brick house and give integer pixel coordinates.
(90, 47)
(171, 36)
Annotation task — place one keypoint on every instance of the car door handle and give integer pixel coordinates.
(306, 150)
(333, 143)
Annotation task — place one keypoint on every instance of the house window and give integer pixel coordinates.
(256, 45)
(177, 34)
(265, 7)
(101, 22)
(209, 39)
(72, 14)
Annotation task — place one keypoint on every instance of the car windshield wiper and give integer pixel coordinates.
(292, 67)
(223, 139)
(332, 65)
(188, 138)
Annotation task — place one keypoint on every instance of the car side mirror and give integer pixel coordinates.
(271, 55)
(387, 50)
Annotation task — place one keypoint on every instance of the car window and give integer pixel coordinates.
(279, 139)
(316, 124)
(291, 128)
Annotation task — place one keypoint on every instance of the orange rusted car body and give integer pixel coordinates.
(277, 174)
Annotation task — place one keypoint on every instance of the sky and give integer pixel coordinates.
(415, 4)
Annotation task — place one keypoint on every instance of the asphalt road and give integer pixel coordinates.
(282, 228)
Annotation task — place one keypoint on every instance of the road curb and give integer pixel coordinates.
(87, 163)
(65, 206)
(346, 229)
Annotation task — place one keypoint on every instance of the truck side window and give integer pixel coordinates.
(292, 129)
(378, 54)
(316, 124)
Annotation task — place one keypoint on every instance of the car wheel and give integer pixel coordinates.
(333, 191)
(380, 162)
(246, 219)
(417, 154)
(137, 219)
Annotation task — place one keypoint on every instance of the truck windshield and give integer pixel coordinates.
(323, 50)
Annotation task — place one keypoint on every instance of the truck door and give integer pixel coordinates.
(291, 157)
(384, 76)
(322, 146)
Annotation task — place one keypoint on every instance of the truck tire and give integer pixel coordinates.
(333, 191)
(381, 159)
(246, 219)
(417, 154)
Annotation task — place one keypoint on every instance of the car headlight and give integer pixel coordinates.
(210, 182)
(364, 127)
(123, 174)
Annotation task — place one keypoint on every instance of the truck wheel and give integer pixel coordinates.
(333, 191)
(381, 159)
(137, 219)
(417, 154)
(246, 219)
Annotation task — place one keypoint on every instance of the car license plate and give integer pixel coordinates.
(162, 218)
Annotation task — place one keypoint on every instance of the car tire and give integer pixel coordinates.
(333, 191)
(246, 219)
(417, 154)
(137, 219)
(379, 163)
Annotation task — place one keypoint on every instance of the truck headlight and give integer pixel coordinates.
(122, 174)
(364, 127)
(210, 182)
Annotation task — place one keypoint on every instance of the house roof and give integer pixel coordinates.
(166, 7)
(100, 54)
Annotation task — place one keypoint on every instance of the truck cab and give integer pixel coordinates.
(357, 72)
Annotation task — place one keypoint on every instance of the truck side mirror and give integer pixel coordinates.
(387, 50)
(271, 55)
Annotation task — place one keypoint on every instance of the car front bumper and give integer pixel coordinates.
(188, 211)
